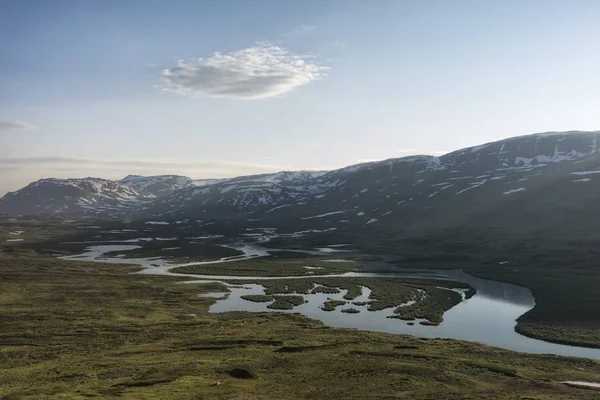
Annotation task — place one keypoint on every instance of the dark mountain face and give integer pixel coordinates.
(553, 171)
(157, 186)
(243, 196)
(408, 192)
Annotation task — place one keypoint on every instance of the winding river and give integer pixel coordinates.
(489, 317)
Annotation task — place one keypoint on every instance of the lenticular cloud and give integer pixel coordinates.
(254, 73)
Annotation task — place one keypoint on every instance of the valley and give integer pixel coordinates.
(153, 337)
(492, 245)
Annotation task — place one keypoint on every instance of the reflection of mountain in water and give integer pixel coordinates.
(495, 290)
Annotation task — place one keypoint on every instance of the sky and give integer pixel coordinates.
(207, 89)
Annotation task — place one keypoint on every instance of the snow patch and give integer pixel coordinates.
(596, 171)
(325, 215)
(582, 384)
(514, 191)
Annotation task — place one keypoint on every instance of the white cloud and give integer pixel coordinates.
(16, 126)
(257, 72)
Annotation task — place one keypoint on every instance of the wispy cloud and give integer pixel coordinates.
(76, 162)
(300, 30)
(16, 126)
(18, 172)
(257, 72)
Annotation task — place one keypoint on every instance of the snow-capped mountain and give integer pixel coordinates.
(425, 189)
(243, 196)
(73, 196)
(409, 191)
(157, 186)
(556, 169)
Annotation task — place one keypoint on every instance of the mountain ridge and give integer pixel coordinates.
(530, 159)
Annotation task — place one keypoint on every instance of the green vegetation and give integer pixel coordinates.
(325, 289)
(431, 299)
(258, 298)
(560, 269)
(331, 305)
(350, 310)
(286, 302)
(177, 251)
(560, 266)
(272, 266)
(432, 307)
(429, 323)
(74, 330)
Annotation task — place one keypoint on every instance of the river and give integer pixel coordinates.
(489, 317)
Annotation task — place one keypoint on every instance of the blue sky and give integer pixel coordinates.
(107, 88)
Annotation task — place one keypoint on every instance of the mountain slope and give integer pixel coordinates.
(417, 192)
(243, 196)
(73, 196)
(157, 186)
(408, 193)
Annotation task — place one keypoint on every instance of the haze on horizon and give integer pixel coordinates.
(220, 89)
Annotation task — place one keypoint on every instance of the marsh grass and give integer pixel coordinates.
(432, 299)
(331, 305)
(286, 302)
(273, 266)
(258, 298)
(76, 330)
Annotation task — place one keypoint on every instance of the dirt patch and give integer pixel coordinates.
(241, 373)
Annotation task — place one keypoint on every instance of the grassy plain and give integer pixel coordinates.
(76, 330)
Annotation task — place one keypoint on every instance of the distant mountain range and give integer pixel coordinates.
(556, 172)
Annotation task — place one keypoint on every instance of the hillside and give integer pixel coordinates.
(157, 186)
(73, 196)
(521, 210)
(550, 172)
(418, 192)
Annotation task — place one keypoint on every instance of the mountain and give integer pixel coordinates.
(555, 169)
(73, 196)
(157, 186)
(414, 191)
(92, 195)
(242, 196)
